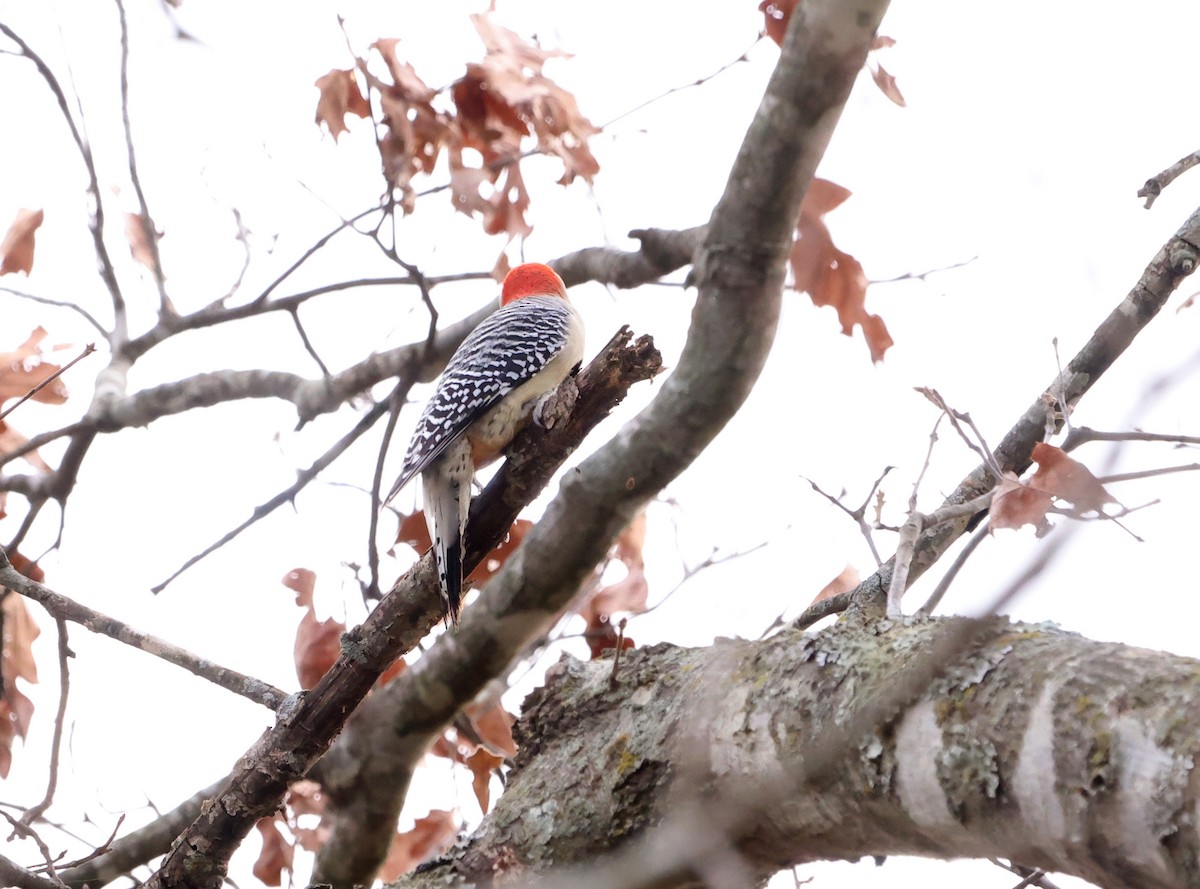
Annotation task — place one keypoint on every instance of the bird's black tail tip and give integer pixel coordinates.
(452, 587)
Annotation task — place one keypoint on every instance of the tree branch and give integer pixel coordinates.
(1174, 262)
(305, 731)
(1078, 754)
(739, 272)
(62, 608)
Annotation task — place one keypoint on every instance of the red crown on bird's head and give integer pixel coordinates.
(531, 279)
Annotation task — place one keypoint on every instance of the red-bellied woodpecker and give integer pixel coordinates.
(486, 395)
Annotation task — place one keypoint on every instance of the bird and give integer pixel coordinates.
(488, 393)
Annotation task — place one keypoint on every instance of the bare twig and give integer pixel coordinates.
(835, 604)
(1155, 184)
(744, 57)
(307, 343)
(64, 688)
(288, 494)
(921, 276)
(144, 220)
(139, 846)
(859, 514)
(395, 402)
(1147, 473)
(309, 253)
(1031, 876)
(87, 350)
(60, 304)
(960, 560)
(933, 439)
(956, 417)
(108, 274)
(103, 849)
(63, 608)
(20, 829)
(1081, 435)
(910, 534)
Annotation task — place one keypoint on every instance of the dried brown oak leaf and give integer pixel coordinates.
(629, 594)
(339, 96)
(318, 642)
(16, 662)
(482, 764)
(830, 276)
(16, 250)
(23, 368)
(1058, 477)
(277, 853)
(430, 836)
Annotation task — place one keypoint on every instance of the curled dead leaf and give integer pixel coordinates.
(430, 836)
(16, 250)
(830, 276)
(339, 95)
(24, 368)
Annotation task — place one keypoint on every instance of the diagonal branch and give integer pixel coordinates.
(739, 271)
(304, 732)
(63, 608)
(96, 224)
(1174, 262)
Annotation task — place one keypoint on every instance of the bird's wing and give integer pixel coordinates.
(506, 349)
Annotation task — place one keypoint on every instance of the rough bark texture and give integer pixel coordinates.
(367, 771)
(1034, 745)
(739, 273)
(308, 724)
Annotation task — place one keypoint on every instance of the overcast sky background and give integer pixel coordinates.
(1029, 129)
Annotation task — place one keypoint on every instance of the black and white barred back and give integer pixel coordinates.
(509, 347)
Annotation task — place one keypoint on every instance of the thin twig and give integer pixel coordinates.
(58, 304)
(822, 609)
(1082, 435)
(984, 452)
(933, 439)
(96, 223)
(395, 401)
(744, 57)
(310, 252)
(26, 832)
(287, 495)
(64, 688)
(921, 276)
(1147, 473)
(858, 514)
(62, 608)
(144, 220)
(307, 343)
(910, 534)
(44, 438)
(952, 572)
(87, 350)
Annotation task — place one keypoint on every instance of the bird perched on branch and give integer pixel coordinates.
(488, 392)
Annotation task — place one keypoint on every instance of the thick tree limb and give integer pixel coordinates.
(305, 731)
(1034, 744)
(19, 878)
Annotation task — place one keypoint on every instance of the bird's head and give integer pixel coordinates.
(531, 279)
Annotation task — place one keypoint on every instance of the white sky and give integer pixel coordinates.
(1029, 129)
